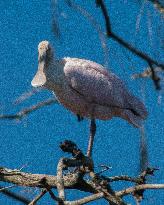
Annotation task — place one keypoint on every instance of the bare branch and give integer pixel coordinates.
(24, 112)
(158, 5)
(97, 184)
(60, 181)
(42, 193)
(95, 25)
(33, 180)
(5, 188)
(100, 3)
(101, 186)
(135, 51)
(139, 187)
(24, 96)
(147, 73)
(122, 178)
(155, 78)
(15, 196)
(122, 42)
(85, 199)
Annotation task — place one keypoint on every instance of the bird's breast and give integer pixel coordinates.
(71, 100)
(79, 105)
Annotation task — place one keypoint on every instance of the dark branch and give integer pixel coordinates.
(100, 3)
(26, 111)
(135, 51)
(15, 196)
(158, 5)
(155, 78)
(128, 46)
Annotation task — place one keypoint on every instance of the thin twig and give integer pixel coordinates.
(54, 197)
(15, 196)
(24, 96)
(139, 187)
(155, 78)
(100, 3)
(85, 199)
(147, 73)
(158, 5)
(42, 193)
(95, 25)
(134, 50)
(122, 42)
(122, 178)
(24, 112)
(5, 188)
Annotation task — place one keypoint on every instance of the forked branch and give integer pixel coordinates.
(97, 185)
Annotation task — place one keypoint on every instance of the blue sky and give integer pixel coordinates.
(34, 140)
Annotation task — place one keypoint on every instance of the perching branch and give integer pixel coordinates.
(98, 185)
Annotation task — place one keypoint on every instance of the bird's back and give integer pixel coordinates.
(102, 88)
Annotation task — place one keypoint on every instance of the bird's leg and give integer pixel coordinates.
(91, 137)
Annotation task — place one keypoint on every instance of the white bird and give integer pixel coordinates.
(87, 89)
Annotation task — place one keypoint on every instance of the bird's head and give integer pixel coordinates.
(45, 51)
(45, 58)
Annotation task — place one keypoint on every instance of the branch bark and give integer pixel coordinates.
(35, 180)
(130, 190)
(97, 185)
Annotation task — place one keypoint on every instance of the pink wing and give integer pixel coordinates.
(95, 83)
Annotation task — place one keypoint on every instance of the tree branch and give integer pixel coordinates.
(26, 111)
(135, 51)
(60, 181)
(85, 199)
(35, 180)
(100, 3)
(97, 184)
(158, 5)
(130, 190)
(42, 193)
(121, 41)
(128, 46)
(15, 196)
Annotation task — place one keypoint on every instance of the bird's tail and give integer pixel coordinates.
(137, 107)
(133, 119)
(136, 112)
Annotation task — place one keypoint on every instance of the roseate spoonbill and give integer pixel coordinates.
(87, 89)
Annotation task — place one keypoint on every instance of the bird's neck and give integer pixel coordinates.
(55, 74)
